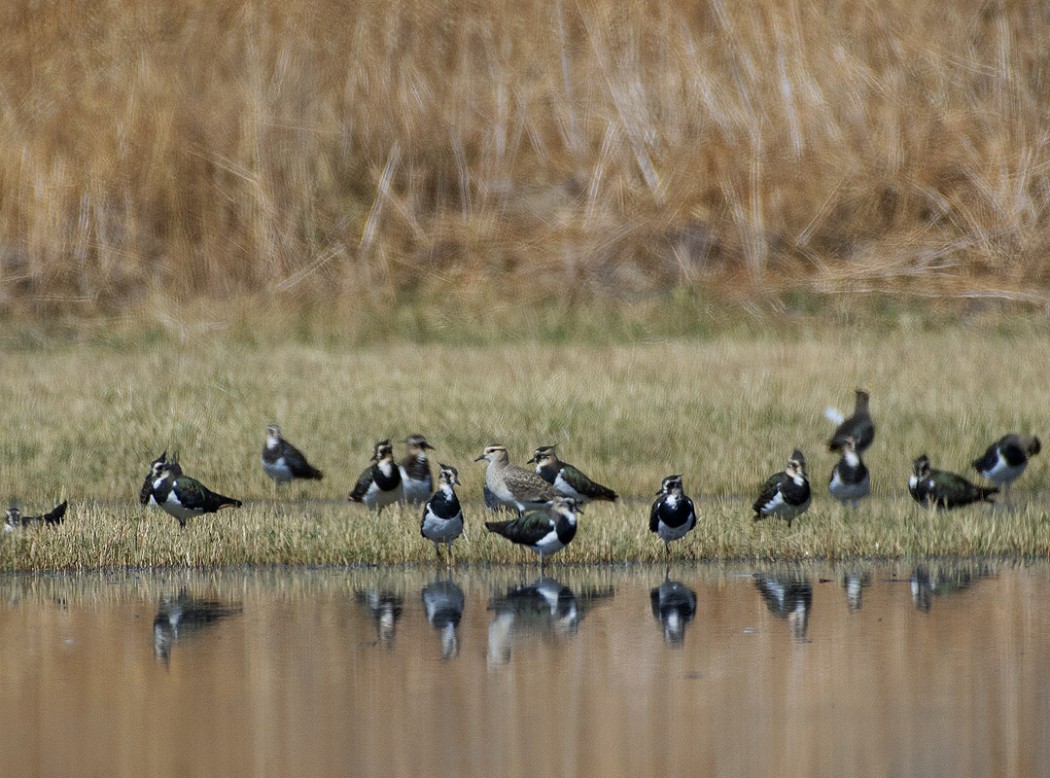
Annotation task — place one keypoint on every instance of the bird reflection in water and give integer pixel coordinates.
(788, 596)
(929, 581)
(181, 616)
(385, 607)
(443, 602)
(854, 583)
(674, 606)
(546, 609)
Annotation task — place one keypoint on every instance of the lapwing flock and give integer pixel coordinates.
(546, 501)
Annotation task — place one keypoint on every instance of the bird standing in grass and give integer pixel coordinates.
(545, 531)
(443, 517)
(52, 518)
(850, 480)
(283, 462)
(786, 494)
(380, 483)
(184, 497)
(941, 489)
(673, 515)
(859, 425)
(511, 485)
(416, 478)
(567, 479)
(1006, 459)
(146, 495)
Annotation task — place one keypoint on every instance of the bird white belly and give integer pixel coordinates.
(278, 471)
(442, 530)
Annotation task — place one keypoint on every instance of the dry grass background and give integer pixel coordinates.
(310, 150)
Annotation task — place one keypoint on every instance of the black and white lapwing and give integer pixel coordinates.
(443, 517)
(181, 616)
(850, 481)
(567, 479)
(674, 606)
(931, 487)
(54, 517)
(380, 483)
(443, 602)
(146, 495)
(416, 478)
(859, 425)
(511, 485)
(545, 531)
(283, 462)
(184, 497)
(786, 494)
(1006, 459)
(673, 515)
(788, 596)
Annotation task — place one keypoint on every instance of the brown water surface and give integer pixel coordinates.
(936, 669)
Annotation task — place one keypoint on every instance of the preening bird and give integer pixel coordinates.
(1005, 460)
(859, 426)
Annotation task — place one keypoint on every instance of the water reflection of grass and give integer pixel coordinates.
(724, 412)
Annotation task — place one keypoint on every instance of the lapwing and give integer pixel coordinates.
(674, 606)
(415, 470)
(283, 462)
(785, 494)
(146, 495)
(512, 485)
(183, 615)
(673, 515)
(380, 483)
(567, 479)
(1006, 459)
(443, 517)
(546, 531)
(788, 596)
(54, 517)
(850, 481)
(443, 602)
(184, 497)
(942, 489)
(385, 606)
(859, 425)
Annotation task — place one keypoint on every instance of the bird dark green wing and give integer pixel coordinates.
(527, 530)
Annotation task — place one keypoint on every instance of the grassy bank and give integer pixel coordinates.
(81, 421)
(314, 150)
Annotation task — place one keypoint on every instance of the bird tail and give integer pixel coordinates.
(56, 514)
(834, 415)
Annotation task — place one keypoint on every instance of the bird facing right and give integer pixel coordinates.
(545, 531)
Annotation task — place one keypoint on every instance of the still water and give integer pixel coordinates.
(935, 669)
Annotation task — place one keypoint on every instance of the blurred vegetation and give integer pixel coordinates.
(357, 154)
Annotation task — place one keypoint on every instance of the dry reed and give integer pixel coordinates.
(309, 150)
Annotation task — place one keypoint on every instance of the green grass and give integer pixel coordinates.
(82, 420)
